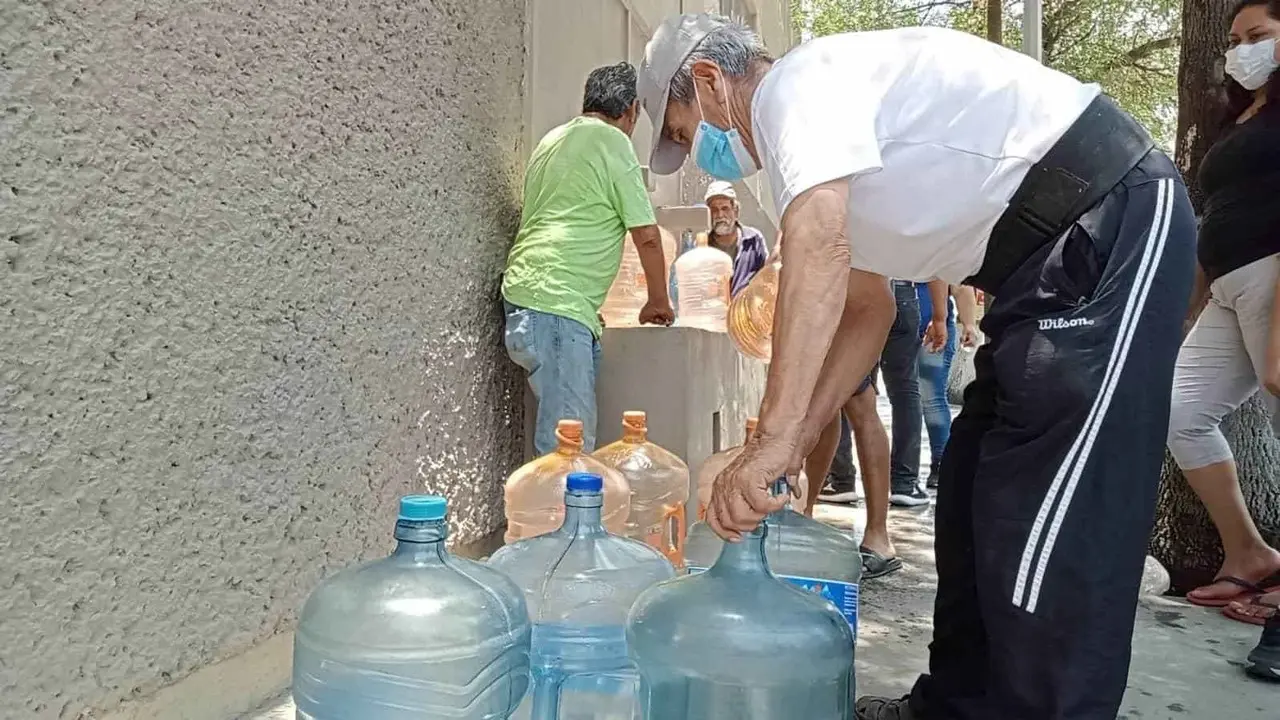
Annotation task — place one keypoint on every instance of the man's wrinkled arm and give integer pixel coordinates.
(869, 312)
(812, 295)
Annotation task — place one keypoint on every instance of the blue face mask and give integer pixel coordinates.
(721, 153)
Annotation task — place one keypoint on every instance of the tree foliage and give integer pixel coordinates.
(1130, 47)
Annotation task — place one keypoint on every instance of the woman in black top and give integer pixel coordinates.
(1235, 345)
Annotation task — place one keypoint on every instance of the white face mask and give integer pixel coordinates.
(1252, 65)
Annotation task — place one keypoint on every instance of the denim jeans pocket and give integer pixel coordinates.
(519, 336)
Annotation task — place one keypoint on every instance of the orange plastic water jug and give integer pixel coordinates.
(750, 317)
(712, 466)
(535, 492)
(659, 484)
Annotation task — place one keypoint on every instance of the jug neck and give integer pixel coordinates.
(635, 436)
(746, 557)
(568, 444)
(421, 540)
(583, 513)
(780, 487)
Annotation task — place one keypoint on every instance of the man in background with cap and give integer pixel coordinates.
(743, 243)
(922, 154)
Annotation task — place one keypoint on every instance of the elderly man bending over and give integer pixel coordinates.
(924, 153)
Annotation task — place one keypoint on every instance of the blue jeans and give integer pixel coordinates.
(562, 358)
(899, 367)
(935, 370)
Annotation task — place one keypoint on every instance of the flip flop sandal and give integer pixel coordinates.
(1247, 617)
(875, 565)
(1247, 590)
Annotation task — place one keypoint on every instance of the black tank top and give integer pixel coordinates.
(1240, 178)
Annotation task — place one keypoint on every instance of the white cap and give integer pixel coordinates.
(720, 188)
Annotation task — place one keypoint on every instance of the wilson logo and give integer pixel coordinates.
(1063, 323)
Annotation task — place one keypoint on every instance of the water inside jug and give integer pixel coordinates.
(659, 484)
(809, 554)
(630, 290)
(579, 582)
(535, 491)
(420, 634)
(737, 643)
(750, 314)
(703, 280)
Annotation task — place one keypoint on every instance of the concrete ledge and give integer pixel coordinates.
(227, 689)
(245, 683)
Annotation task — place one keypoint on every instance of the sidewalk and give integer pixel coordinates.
(1187, 661)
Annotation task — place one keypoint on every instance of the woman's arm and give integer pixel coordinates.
(1271, 377)
(1199, 298)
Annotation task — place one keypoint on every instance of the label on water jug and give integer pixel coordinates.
(843, 595)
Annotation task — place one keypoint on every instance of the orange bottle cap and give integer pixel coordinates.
(569, 433)
(634, 423)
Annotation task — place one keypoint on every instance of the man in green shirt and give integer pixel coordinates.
(583, 192)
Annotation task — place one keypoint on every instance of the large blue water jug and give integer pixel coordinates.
(737, 643)
(579, 582)
(809, 554)
(419, 635)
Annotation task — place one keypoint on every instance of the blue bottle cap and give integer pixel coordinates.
(423, 507)
(584, 482)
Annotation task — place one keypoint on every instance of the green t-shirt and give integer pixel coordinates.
(583, 190)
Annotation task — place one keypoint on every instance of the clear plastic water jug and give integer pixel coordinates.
(809, 554)
(419, 635)
(630, 290)
(737, 643)
(579, 583)
(712, 466)
(659, 487)
(703, 280)
(683, 224)
(750, 316)
(535, 491)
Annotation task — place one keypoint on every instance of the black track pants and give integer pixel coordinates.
(1048, 484)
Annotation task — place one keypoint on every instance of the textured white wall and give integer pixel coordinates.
(249, 254)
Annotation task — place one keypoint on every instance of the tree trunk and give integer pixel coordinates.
(995, 21)
(1200, 89)
(1184, 540)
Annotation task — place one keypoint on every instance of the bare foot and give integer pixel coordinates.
(1256, 610)
(1254, 569)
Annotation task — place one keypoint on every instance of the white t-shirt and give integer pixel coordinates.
(935, 129)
